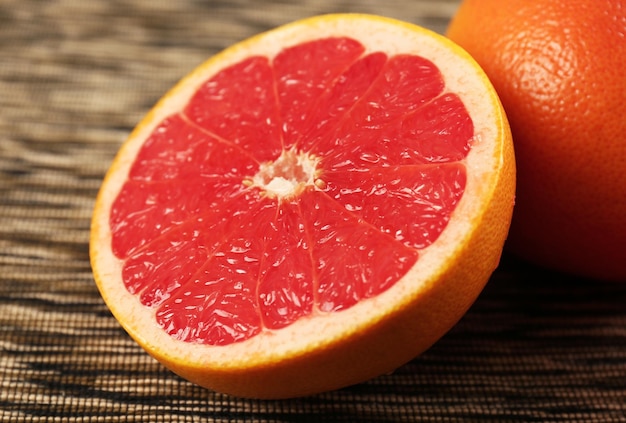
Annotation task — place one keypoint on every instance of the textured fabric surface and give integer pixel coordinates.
(75, 77)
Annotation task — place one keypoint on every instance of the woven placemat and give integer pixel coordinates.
(75, 77)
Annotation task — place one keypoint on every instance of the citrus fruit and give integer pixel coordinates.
(557, 67)
(308, 209)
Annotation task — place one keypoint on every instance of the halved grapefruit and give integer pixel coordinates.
(308, 209)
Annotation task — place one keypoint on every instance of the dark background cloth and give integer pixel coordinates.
(75, 77)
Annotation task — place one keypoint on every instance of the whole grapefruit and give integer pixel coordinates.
(558, 67)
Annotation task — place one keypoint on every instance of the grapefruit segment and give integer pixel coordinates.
(340, 185)
(370, 260)
(286, 287)
(218, 305)
(403, 84)
(331, 107)
(302, 73)
(238, 105)
(413, 204)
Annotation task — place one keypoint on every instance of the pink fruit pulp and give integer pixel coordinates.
(220, 260)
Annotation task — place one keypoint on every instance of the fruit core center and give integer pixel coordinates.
(288, 175)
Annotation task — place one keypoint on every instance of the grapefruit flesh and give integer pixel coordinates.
(270, 216)
(253, 262)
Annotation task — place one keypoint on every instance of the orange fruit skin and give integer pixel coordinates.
(558, 67)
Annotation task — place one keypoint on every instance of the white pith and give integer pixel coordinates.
(317, 330)
(286, 176)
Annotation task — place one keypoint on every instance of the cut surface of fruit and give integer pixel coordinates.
(308, 209)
